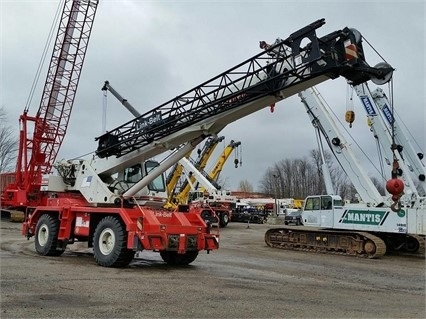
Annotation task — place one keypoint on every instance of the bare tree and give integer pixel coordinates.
(245, 186)
(300, 177)
(379, 185)
(8, 144)
(223, 182)
(290, 179)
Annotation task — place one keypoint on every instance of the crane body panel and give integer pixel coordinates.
(368, 229)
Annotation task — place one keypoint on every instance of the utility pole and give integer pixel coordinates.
(276, 195)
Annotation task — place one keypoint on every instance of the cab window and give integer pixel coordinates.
(312, 203)
(326, 202)
(157, 184)
(133, 174)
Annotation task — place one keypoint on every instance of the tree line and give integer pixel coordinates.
(300, 177)
(8, 144)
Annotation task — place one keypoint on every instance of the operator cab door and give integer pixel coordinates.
(326, 211)
(318, 211)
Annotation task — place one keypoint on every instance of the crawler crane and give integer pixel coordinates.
(101, 200)
(37, 151)
(368, 229)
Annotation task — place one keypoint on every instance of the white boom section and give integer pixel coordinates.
(410, 155)
(214, 193)
(323, 121)
(381, 131)
(189, 167)
(96, 190)
(324, 167)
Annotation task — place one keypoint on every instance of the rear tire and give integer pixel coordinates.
(175, 259)
(110, 243)
(46, 236)
(224, 220)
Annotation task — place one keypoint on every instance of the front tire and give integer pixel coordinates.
(46, 236)
(110, 243)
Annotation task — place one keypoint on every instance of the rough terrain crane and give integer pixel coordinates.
(154, 192)
(85, 202)
(220, 201)
(402, 230)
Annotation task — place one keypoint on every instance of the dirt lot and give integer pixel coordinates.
(243, 279)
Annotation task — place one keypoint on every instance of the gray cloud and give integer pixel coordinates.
(151, 51)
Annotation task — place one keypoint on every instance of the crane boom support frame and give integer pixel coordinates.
(282, 66)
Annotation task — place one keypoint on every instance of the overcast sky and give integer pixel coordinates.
(152, 51)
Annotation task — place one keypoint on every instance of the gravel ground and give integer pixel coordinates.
(243, 279)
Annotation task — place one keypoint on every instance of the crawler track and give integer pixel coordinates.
(326, 241)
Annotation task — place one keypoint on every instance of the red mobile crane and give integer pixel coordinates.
(107, 201)
(37, 151)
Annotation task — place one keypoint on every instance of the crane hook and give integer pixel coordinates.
(236, 162)
(395, 187)
(396, 206)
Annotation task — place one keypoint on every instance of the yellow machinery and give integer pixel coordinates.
(174, 176)
(214, 173)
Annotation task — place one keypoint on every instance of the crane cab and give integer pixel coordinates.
(318, 210)
(155, 193)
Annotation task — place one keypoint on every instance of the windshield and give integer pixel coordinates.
(157, 184)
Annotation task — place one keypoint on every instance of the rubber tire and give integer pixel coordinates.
(110, 243)
(46, 236)
(174, 259)
(224, 220)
